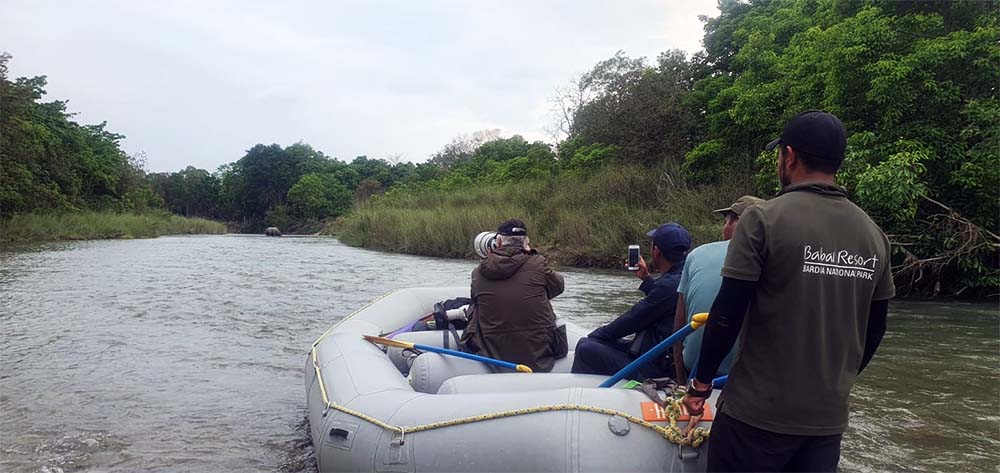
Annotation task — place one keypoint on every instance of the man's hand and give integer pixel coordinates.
(695, 405)
(643, 271)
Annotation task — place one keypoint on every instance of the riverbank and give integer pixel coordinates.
(102, 225)
(573, 220)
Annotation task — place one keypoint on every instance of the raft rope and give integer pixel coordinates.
(671, 432)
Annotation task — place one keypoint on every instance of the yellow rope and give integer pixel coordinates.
(671, 432)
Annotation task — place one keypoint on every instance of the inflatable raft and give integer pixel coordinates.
(390, 410)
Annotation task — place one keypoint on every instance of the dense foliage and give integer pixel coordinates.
(293, 188)
(49, 162)
(916, 85)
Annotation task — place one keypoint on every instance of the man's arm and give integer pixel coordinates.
(554, 282)
(643, 314)
(680, 318)
(877, 315)
(724, 323)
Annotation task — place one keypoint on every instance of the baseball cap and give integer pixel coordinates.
(513, 227)
(817, 132)
(672, 239)
(740, 205)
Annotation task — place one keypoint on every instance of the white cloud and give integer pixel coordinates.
(200, 82)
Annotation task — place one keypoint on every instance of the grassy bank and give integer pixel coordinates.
(101, 225)
(580, 221)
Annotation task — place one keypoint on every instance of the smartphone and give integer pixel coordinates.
(633, 257)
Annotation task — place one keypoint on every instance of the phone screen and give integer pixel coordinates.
(633, 257)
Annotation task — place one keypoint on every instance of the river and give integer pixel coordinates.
(186, 354)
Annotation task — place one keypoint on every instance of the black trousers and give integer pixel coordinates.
(596, 356)
(736, 446)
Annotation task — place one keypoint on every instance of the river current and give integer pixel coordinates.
(187, 354)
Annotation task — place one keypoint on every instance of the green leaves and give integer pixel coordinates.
(914, 82)
(893, 188)
(319, 196)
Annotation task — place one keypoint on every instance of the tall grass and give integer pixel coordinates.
(573, 220)
(101, 225)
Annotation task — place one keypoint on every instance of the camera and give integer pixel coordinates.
(484, 243)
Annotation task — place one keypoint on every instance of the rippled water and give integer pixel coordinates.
(186, 353)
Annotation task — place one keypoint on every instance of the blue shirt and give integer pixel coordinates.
(700, 283)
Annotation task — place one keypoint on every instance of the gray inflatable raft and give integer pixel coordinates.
(380, 410)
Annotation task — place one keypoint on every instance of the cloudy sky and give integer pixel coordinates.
(199, 82)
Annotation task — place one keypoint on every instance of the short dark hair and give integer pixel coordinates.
(815, 163)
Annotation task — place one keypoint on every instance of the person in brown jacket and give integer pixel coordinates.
(511, 318)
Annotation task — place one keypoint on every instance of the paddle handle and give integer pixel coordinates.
(470, 356)
(648, 356)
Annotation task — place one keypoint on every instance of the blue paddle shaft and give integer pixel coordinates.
(468, 356)
(648, 356)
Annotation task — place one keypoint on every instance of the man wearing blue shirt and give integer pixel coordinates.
(605, 351)
(699, 285)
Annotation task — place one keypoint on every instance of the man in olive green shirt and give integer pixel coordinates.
(813, 270)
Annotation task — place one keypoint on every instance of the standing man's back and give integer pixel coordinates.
(813, 270)
(818, 262)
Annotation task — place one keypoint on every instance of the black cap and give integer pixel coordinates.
(513, 227)
(817, 132)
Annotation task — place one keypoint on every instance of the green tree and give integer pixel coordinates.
(638, 108)
(50, 162)
(318, 196)
(915, 84)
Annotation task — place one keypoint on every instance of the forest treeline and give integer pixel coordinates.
(635, 142)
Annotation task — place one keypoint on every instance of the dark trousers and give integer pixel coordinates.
(736, 446)
(596, 356)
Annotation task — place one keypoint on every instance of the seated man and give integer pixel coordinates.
(699, 285)
(511, 318)
(651, 319)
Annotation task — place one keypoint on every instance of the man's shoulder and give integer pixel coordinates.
(668, 280)
(707, 249)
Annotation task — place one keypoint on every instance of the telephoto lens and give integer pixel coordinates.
(484, 243)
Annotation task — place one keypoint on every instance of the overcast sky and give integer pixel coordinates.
(199, 82)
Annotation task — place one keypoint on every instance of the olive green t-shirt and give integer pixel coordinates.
(819, 261)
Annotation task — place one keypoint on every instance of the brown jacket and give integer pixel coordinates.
(511, 318)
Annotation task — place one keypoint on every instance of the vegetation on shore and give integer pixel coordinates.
(573, 220)
(634, 143)
(101, 225)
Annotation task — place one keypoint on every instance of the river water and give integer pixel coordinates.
(187, 354)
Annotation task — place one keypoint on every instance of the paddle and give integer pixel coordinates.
(696, 322)
(445, 351)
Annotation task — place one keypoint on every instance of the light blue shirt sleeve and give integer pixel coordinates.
(685, 281)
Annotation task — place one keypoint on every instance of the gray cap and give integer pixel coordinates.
(740, 205)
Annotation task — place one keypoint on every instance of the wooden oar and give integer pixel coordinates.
(444, 351)
(696, 322)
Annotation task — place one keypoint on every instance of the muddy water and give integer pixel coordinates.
(186, 353)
